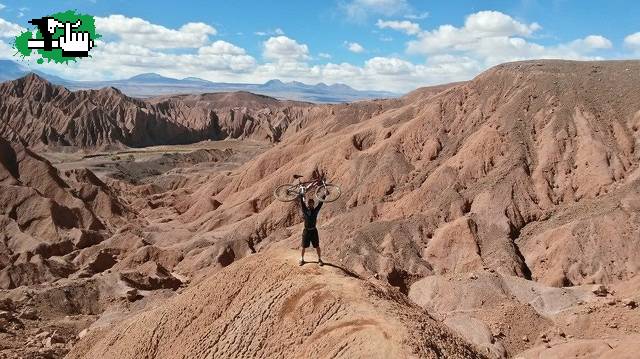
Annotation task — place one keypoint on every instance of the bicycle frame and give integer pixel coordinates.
(303, 187)
(309, 184)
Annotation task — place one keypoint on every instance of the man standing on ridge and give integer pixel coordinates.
(310, 232)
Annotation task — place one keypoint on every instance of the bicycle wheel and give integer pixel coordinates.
(327, 193)
(286, 192)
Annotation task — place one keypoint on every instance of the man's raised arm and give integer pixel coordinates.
(304, 206)
(324, 195)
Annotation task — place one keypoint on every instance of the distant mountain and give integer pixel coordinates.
(10, 70)
(152, 84)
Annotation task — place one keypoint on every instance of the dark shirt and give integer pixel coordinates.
(310, 214)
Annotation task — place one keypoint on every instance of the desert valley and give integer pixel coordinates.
(493, 218)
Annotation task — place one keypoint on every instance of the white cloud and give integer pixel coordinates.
(478, 26)
(360, 10)
(394, 74)
(2, 6)
(354, 47)
(284, 49)
(491, 37)
(9, 29)
(495, 23)
(134, 30)
(341, 71)
(388, 66)
(222, 55)
(420, 16)
(324, 55)
(591, 43)
(408, 27)
(115, 60)
(221, 48)
(633, 41)
(277, 31)
(6, 52)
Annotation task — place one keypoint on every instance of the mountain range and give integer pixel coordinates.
(152, 84)
(41, 113)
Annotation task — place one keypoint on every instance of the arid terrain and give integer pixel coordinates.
(497, 218)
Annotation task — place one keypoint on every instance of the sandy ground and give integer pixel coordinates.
(136, 165)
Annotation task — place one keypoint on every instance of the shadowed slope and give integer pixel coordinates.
(44, 216)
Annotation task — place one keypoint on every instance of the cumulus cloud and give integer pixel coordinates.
(354, 47)
(478, 26)
(9, 29)
(591, 43)
(395, 74)
(2, 6)
(491, 37)
(495, 23)
(388, 66)
(341, 72)
(408, 27)
(360, 10)
(135, 30)
(5, 50)
(324, 55)
(221, 48)
(633, 41)
(284, 49)
(222, 55)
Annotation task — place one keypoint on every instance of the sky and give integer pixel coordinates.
(392, 45)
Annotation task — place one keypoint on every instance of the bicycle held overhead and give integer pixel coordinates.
(324, 191)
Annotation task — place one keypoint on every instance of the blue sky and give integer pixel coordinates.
(375, 44)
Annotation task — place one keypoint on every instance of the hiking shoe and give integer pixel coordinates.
(301, 261)
(320, 262)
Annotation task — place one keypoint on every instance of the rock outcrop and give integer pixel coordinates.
(45, 216)
(266, 306)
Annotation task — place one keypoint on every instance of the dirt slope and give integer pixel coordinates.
(45, 216)
(267, 307)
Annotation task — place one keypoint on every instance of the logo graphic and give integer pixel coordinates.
(60, 37)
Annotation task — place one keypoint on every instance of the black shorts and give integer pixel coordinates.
(310, 237)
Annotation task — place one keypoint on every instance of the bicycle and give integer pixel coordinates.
(324, 192)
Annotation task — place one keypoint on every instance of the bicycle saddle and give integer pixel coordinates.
(297, 176)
